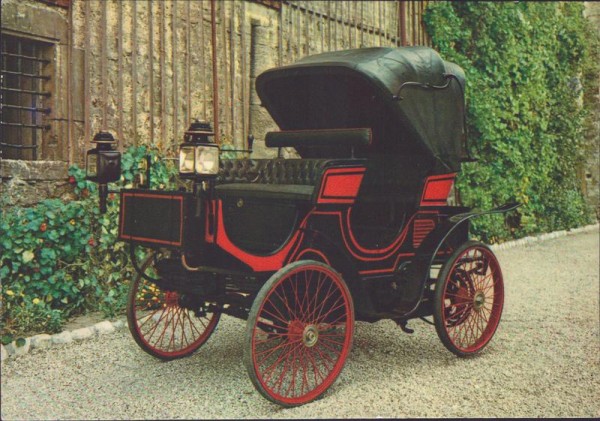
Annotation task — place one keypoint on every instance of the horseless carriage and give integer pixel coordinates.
(356, 229)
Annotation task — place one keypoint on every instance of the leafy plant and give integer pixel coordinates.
(60, 259)
(526, 64)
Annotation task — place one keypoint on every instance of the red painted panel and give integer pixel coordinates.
(341, 185)
(437, 188)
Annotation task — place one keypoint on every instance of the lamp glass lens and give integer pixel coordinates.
(91, 165)
(207, 159)
(186, 159)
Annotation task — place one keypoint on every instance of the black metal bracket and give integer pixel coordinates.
(447, 76)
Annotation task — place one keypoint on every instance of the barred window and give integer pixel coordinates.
(24, 97)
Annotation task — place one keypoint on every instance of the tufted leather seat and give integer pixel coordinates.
(271, 171)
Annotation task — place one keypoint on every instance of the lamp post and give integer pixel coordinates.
(103, 164)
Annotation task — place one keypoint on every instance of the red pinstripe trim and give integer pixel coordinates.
(317, 252)
(152, 196)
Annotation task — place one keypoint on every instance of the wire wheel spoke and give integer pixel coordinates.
(312, 310)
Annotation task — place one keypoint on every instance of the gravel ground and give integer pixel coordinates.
(543, 362)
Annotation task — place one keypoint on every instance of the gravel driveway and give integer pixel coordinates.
(543, 362)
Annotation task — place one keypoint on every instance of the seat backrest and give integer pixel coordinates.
(319, 138)
(271, 171)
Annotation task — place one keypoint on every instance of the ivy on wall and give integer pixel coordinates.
(526, 65)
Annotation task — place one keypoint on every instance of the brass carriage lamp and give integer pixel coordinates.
(103, 164)
(198, 154)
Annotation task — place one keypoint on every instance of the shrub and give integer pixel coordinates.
(525, 65)
(60, 259)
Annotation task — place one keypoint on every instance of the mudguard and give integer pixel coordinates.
(417, 273)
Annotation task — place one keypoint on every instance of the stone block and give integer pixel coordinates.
(83, 333)
(104, 327)
(62, 338)
(21, 349)
(41, 341)
(119, 324)
(3, 353)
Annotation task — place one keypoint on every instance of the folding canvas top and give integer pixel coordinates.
(411, 99)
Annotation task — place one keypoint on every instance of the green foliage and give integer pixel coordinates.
(60, 259)
(525, 63)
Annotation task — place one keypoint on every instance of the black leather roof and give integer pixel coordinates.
(359, 88)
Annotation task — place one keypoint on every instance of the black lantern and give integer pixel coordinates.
(103, 164)
(198, 154)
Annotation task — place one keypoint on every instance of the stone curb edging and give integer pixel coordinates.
(543, 237)
(45, 341)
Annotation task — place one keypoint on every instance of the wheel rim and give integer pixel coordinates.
(164, 326)
(473, 298)
(302, 335)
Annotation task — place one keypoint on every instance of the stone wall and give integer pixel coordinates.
(25, 183)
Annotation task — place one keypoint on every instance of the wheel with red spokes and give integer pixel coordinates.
(167, 324)
(299, 333)
(469, 296)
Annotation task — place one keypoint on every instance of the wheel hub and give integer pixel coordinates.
(478, 300)
(171, 298)
(310, 336)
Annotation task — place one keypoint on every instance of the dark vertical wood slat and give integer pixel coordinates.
(213, 24)
(70, 134)
(223, 42)
(244, 65)
(307, 25)
(414, 23)
(203, 63)
(104, 65)
(162, 63)
(279, 33)
(335, 12)
(322, 30)
(402, 22)
(232, 72)
(362, 21)
(328, 25)
(86, 73)
(151, 74)
(188, 35)
(134, 71)
(120, 93)
(174, 58)
(379, 16)
(298, 34)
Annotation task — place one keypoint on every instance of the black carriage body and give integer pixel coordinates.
(381, 137)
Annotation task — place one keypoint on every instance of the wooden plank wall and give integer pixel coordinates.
(147, 65)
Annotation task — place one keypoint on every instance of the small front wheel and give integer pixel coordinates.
(469, 296)
(299, 333)
(167, 324)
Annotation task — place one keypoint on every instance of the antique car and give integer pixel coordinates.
(357, 228)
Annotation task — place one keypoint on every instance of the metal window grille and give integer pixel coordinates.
(23, 101)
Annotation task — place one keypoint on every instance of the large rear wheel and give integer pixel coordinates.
(299, 333)
(469, 296)
(167, 324)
